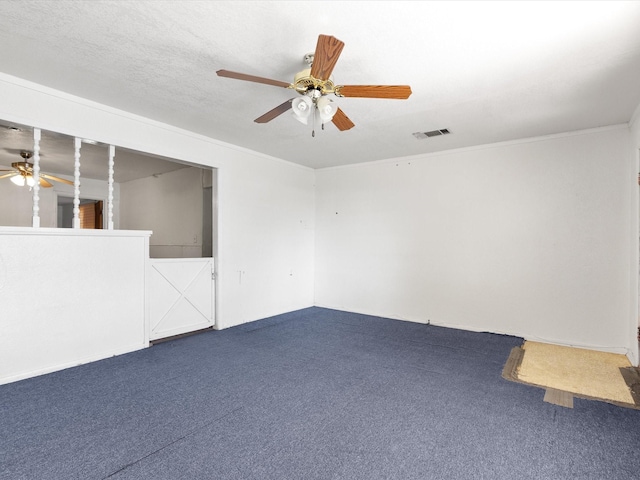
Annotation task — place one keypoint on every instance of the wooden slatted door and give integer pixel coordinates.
(180, 295)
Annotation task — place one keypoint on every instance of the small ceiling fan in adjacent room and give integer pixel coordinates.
(315, 84)
(22, 173)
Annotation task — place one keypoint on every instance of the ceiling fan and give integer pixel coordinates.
(22, 173)
(315, 85)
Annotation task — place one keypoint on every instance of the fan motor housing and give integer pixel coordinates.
(304, 81)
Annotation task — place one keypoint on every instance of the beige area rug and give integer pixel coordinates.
(566, 372)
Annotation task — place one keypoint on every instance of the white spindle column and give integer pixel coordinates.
(36, 178)
(76, 184)
(112, 154)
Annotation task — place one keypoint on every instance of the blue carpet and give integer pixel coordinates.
(314, 394)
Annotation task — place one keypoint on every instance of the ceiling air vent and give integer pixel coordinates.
(432, 133)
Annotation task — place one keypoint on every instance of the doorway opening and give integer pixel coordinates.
(91, 213)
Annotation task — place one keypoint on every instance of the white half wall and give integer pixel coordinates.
(69, 297)
(530, 238)
(265, 206)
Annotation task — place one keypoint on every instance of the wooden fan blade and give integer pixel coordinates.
(7, 175)
(399, 92)
(326, 56)
(341, 121)
(57, 179)
(252, 78)
(271, 114)
(44, 183)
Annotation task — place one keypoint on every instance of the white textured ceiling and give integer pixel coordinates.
(487, 71)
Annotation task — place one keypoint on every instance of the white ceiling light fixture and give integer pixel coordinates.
(314, 101)
(326, 109)
(23, 179)
(302, 108)
(18, 180)
(313, 104)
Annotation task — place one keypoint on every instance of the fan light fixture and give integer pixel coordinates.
(315, 83)
(302, 108)
(22, 179)
(18, 180)
(326, 108)
(22, 174)
(307, 105)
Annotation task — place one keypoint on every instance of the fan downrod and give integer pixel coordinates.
(308, 59)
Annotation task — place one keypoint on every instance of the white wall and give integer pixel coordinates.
(16, 204)
(267, 251)
(170, 205)
(530, 238)
(265, 206)
(635, 222)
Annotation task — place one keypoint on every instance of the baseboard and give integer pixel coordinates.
(63, 366)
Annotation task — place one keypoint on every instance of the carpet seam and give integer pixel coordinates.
(171, 443)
